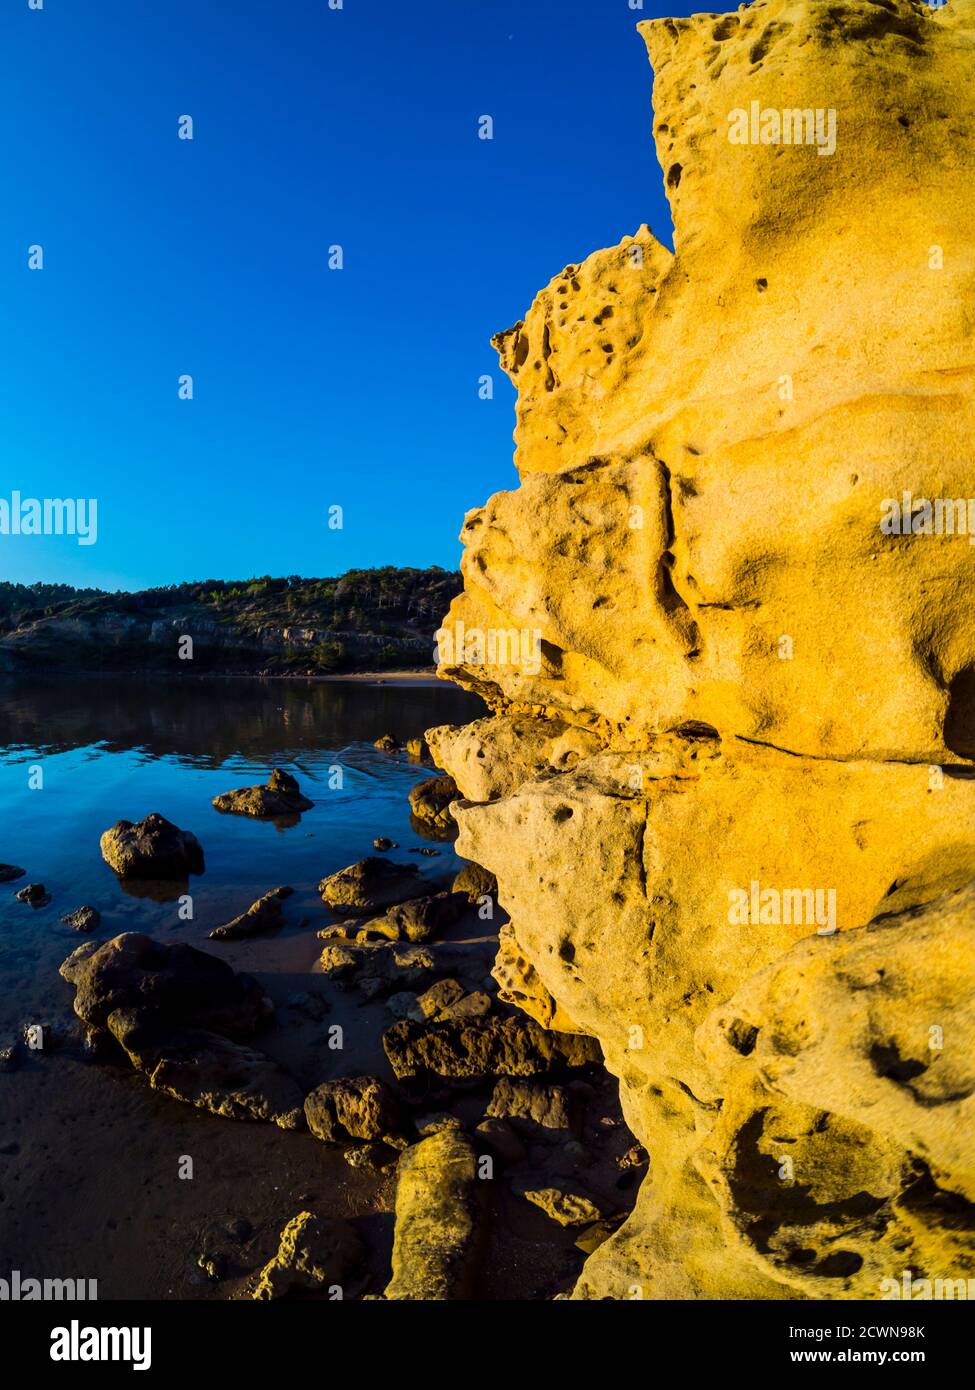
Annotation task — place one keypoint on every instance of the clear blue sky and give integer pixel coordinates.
(311, 387)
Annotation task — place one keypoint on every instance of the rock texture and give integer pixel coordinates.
(727, 784)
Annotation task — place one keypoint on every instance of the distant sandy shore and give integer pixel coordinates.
(428, 677)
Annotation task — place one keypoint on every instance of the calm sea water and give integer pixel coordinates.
(111, 750)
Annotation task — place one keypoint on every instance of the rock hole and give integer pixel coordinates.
(959, 729)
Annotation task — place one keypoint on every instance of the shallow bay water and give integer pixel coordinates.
(89, 1156)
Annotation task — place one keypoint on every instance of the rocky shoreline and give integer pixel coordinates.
(479, 1122)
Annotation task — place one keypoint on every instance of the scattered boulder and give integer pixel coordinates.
(371, 884)
(436, 1120)
(352, 1107)
(280, 796)
(382, 842)
(387, 744)
(475, 883)
(434, 1240)
(10, 872)
(535, 1102)
(483, 1047)
(83, 919)
(438, 997)
(265, 915)
(34, 894)
(430, 804)
(417, 749)
(208, 1070)
(375, 1157)
(177, 984)
(316, 1253)
(567, 1208)
(338, 961)
(403, 1005)
(153, 848)
(476, 1005)
(416, 920)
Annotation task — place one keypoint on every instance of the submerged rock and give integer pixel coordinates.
(316, 1254)
(434, 1239)
(35, 895)
(280, 796)
(370, 884)
(152, 848)
(10, 872)
(83, 919)
(264, 915)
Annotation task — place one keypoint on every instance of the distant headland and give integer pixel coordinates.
(366, 620)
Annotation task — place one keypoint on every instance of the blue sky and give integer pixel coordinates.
(312, 387)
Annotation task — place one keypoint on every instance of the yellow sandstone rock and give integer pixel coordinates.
(728, 787)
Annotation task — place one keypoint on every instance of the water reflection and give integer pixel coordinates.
(205, 723)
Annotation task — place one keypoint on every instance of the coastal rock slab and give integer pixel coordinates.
(483, 1047)
(371, 884)
(264, 915)
(83, 919)
(208, 1070)
(434, 1239)
(416, 920)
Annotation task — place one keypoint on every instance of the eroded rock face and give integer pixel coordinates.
(727, 786)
